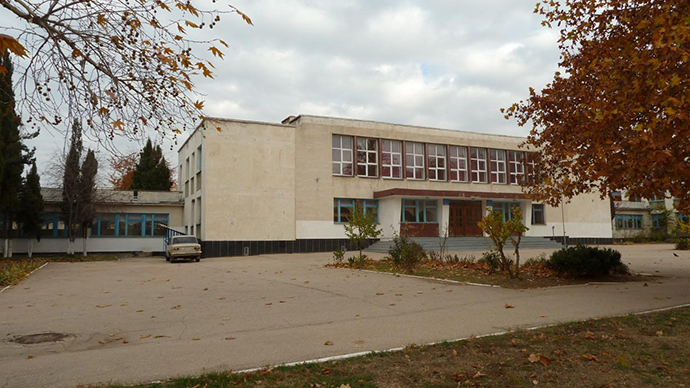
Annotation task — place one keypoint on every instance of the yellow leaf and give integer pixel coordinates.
(216, 52)
(190, 24)
(9, 43)
(223, 42)
(100, 19)
(199, 105)
(118, 124)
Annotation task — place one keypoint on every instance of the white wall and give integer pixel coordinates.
(96, 244)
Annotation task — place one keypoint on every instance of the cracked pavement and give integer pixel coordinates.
(144, 319)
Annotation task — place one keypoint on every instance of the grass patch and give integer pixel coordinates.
(14, 270)
(633, 351)
(533, 275)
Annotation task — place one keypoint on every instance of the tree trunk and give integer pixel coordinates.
(30, 248)
(9, 248)
(84, 242)
(4, 247)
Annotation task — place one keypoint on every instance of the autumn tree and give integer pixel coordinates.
(361, 227)
(619, 115)
(123, 65)
(30, 213)
(152, 171)
(122, 170)
(501, 232)
(14, 154)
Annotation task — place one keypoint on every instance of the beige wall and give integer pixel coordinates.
(249, 178)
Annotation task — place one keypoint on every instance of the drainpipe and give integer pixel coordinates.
(565, 240)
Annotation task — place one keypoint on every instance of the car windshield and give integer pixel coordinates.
(184, 240)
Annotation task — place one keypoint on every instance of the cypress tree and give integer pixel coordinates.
(13, 154)
(152, 172)
(30, 213)
(87, 191)
(71, 196)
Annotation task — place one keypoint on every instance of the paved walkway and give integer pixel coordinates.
(237, 313)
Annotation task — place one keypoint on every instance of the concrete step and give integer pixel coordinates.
(455, 244)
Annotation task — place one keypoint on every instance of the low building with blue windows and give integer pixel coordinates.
(125, 221)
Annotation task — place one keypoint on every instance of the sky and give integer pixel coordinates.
(446, 63)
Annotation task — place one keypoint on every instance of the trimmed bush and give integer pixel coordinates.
(586, 262)
(406, 253)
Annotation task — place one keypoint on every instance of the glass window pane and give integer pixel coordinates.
(134, 225)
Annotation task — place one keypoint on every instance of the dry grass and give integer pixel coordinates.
(649, 350)
(534, 275)
(14, 270)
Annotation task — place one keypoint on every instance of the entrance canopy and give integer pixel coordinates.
(450, 194)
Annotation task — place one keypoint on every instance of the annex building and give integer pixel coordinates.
(257, 187)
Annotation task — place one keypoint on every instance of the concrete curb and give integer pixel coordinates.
(429, 278)
(7, 287)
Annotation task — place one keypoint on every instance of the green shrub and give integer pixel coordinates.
(338, 255)
(683, 244)
(586, 262)
(540, 259)
(492, 259)
(406, 253)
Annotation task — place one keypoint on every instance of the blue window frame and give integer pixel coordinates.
(421, 211)
(658, 221)
(629, 221)
(344, 207)
(538, 214)
(506, 209)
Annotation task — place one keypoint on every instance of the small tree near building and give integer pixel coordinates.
(87, 189)
(30, 213)
(361, 227)
(502, 231)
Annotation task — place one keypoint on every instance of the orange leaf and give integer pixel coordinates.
(328, 343)
(9, 43)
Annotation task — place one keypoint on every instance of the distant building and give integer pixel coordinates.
(255, 187)
(126, 221)
(639, 217)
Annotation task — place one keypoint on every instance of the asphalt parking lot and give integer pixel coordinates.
(144, 319)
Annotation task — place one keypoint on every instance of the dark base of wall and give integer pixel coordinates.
(584, 240)
(252, 248)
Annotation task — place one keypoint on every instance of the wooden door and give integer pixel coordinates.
(463, 218)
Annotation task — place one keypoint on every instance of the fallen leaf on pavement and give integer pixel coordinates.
(144, 336)
(306, 282)
(229, 338)
(176, 307)
(195, 339)
(101, 306)
(509, 306)
(30, 357)
(359, 342)
(328, 343)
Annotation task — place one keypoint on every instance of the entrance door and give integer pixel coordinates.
(463, 219)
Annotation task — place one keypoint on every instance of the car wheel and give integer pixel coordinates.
(167, 258)
(198, 259)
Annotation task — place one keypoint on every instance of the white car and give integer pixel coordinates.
(183, 247)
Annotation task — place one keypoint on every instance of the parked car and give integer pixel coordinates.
(183, 247)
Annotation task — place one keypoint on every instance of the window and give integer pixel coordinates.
(629, 221)
(129, 225)
(458, 164)
(391, 159)
(107, 226)
(367, 157)
(517, 167)
(478, 165)
(498, 166)
(342, 155)
(538, 214)
(187, 170)
(656, 199)
(505, 208)
(658, 221)
(414, 161)
(198, 159)
(420, 211)
(437, 162)
(344, 208)
(530, 166)
(134, 225)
